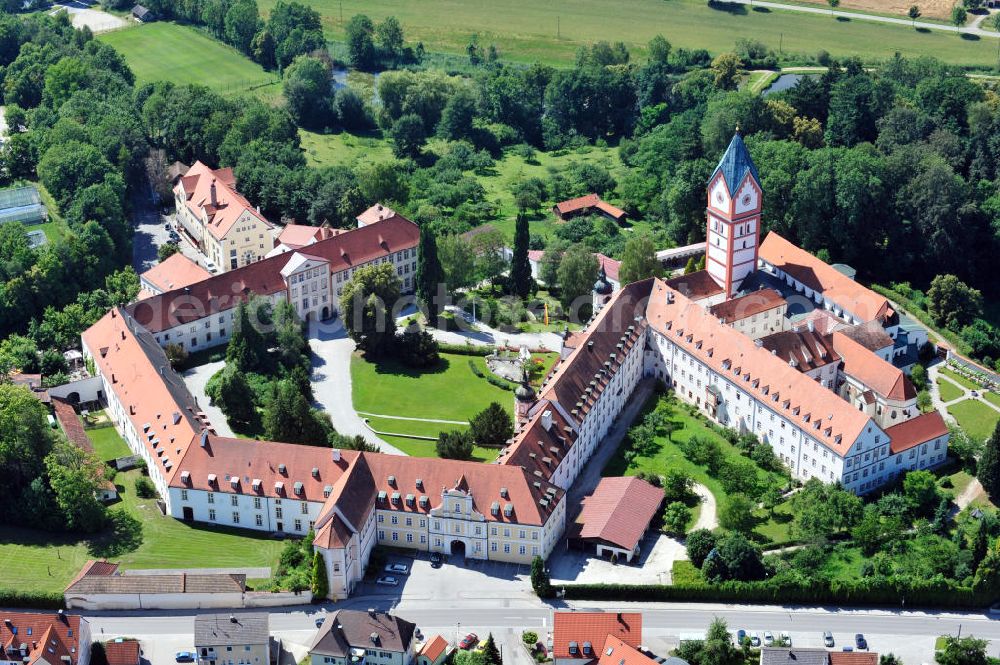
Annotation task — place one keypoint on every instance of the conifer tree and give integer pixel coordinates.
(988, 469)
(491, 655)
(520, 268)
(320, 584)
(429, 275)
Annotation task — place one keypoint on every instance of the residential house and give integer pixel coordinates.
(232, 639)
(588, 205)
(578, 637)
(351, 637)
(376, 213)
(44, 638)
(123, 652)
(175, 272)
(434, 651)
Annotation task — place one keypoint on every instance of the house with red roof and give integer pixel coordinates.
(579, 637)
(228, 229)
(174, 272)
(123, 652)
(434, 651)
(615, 517)
(591, 204)
(44, 638)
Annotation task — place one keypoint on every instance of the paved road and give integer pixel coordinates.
(909, 634)
(331, 381)
(860, 16)
(195, 380)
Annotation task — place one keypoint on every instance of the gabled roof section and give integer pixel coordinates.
(870, 369)
(616, 652)
(345, 629)
(618, 511)
(223, 209)
(174, 272)
(735, 164)
(911, 433)
(574, 629)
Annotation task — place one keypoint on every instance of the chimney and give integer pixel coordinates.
(590, 346)
(547, 420)
(211, 190)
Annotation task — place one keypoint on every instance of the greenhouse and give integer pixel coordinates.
(22, 204)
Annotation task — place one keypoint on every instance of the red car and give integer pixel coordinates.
(469, 641)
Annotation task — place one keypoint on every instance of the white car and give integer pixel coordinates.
(786, 639)
(210, 267)
(387, 580)
(768, 638)
(400, 568)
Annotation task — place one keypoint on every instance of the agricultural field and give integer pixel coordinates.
(552, 32)
(182, 54)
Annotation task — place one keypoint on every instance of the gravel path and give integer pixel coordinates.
(707, 518)
(195, 380)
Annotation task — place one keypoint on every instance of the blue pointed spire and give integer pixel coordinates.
(735, 163)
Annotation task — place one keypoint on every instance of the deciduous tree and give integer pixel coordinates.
(639, 259)
(366, 307)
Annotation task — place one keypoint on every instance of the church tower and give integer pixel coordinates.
(733, 213)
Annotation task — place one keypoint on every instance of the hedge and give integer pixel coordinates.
(39, 600)
(466, 349)
(927, 593)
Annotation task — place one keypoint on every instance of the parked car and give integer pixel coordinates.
(828, 638)
(786, 639)
(768, 638)
(469, 641)
(319, 621)
(210, 267)
(975, 393)
(754, 640)
(740, 636)
(860, 641)
(185, 657)
(387, 580)
(400, 568)
(436, 560)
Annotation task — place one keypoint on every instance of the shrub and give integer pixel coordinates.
(456, 444)
(676, 518)
(144, 488)
(530, 638)
(417, 349)
(699, 543)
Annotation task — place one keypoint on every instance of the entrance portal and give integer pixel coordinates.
(458, 548)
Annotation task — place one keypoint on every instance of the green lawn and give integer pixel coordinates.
(178, 53)
(551, 32)
(47, 561)
(420, 448)
(343, 149)
(449, 392)
(108, 444)
(975, 417)
(949, 390)
(991, 397)
(959, 379)
(844, 563)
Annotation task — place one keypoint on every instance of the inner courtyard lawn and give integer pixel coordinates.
(422, 448)
(959, 379)
(668, 455)
(181, 54)
(448, 392)
(108, 444)
(33, 559)
(974, 417)
(949, 390)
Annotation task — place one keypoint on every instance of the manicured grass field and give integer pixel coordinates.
(47, 562)
(419, 448)
(108, 444)
(551, 32)
(178, 53)
(449, 392)
(991, 397)
(975, 417)
(949, 390)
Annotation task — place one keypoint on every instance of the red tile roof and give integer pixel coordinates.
(735, 309)
(71, 425)
(827, 418)
(95, 568)
(226, 290)
(807, 348)
(853, 658)
(616, 652)
(619, 511)
(230, 205)
(593, 628)
(881, 376)
(376, 213)
(610, 265)
(587, 202)
(434, 648)
(913, 432)
(696, 285)
(300, 235)
(176, 272)
(122, 652)
(870, 335)
(864, 303)
(48, 636)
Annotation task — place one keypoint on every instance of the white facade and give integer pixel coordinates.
(244, 511)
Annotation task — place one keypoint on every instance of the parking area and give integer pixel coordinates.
(653, 566)
(457, 578)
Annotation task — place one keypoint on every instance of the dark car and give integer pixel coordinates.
(860, 642)
(469, 641)
(436, 560)
(184, 657)
(320, 620)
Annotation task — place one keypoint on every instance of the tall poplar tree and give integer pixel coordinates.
(429, 275)
(520, 269)
(988, 469)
